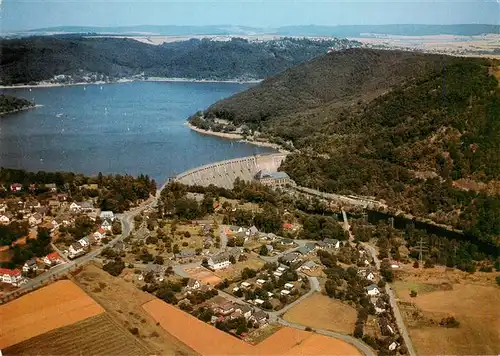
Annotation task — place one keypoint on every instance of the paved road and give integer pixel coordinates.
(394, 304)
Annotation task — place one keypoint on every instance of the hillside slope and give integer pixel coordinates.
(35, 59)
(402, 127)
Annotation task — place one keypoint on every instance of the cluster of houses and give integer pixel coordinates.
(80, 247)
(225, 309)
(13, 277)
(241, 232)
(16, 277)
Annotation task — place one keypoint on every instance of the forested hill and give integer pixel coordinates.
(10, 104)
(411, 129)
(37, 59)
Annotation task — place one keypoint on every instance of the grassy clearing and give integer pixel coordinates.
(473, 299)
(322, 312)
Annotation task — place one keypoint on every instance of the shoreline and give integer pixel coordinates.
(121, 81)
(237, 137)
(22, 109)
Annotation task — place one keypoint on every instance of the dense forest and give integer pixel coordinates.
(10, 103)
(402, 127)
(34, 59)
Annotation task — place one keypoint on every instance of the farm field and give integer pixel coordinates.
(473, 299)
(48, 308)
(322, 312)
(123, 301)
(98, 335)
(207, 340)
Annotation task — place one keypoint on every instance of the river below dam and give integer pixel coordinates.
(122, 128)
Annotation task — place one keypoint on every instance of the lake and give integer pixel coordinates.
(122, 128)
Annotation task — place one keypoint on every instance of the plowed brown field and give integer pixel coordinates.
(98, 335)
(59, 304)
(207, 340)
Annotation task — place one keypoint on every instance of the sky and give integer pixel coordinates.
(17, 15)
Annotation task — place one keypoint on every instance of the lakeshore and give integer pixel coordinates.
(120, 81)
(22, 109)
(238, 137)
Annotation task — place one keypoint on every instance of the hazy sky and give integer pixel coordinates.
(29, 14)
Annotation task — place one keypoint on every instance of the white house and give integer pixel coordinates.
(260, 282)
(107, 215)
(11, 276)
(219, 261)
(258, 301)
(372, 290)
(252, 231)
(4, 219)
(52, 259)
(393, 346)
(74, 206)
(76, 249)
(285, 292)
(193, 284)
(84, 241)
(245, 285)
(289, 285)
(106, 225)
(31, 264)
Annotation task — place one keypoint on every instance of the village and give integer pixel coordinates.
(240, 279)
(75, 229)
(227, 259)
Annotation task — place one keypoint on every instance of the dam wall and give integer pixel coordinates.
(222, 174)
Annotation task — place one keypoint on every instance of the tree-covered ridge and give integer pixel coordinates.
(398, 127)
(36, 59)
(10, 103)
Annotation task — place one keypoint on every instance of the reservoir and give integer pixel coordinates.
(117, 128)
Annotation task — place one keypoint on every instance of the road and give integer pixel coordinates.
(394, 304)
(371, 204)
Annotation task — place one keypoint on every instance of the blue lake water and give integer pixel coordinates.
(122, 128)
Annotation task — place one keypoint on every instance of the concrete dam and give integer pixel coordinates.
(223, 173)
